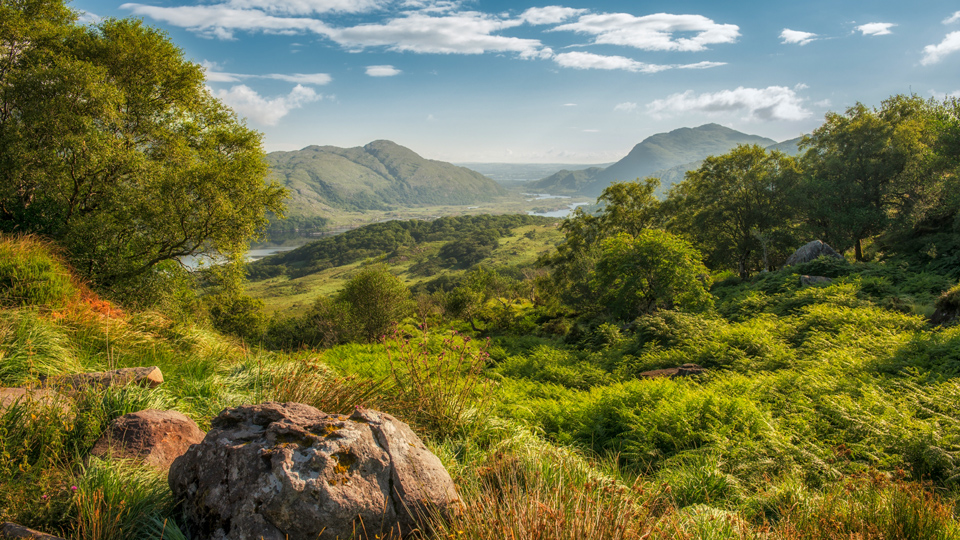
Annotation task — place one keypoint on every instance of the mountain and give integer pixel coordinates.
(657, 153)
(378, 176)
(789, 147)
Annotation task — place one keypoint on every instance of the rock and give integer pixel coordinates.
(811, 252)
(811, 281)
(150, 377)
(154, 437)
(12, 530)
(286, 471)
(685, 370)
(41, 396)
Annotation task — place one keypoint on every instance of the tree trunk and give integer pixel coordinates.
(858, 249)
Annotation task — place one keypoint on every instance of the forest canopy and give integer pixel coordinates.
(111, 145)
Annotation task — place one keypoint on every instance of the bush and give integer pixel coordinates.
(654, 270)
(377, 300)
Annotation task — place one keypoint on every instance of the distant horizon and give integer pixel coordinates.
(464, 163)
(491, 81)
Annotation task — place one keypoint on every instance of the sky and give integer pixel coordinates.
(526, 82)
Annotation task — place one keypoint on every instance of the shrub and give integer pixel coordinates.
(377, 300)
(653, 270)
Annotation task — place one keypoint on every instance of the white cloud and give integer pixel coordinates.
(952, 19)
(654, 32)
(261, 110)
(213, 73)
(627, 106)
(700, 65)
(944, 95)
(382, 71)
(823, 103)
(585, 60)
(549, 14)
(85, 17)
(569, 104)
(461, 33)
(220, 20)
(306, 7)
(771, 103)
(876, 28)
(796, 36)
(935, 53)
(591, 131)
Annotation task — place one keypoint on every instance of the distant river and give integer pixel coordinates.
(251, 255)
(559, 213)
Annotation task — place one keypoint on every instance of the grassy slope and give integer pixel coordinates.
(823, 407)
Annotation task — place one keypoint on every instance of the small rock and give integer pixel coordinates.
(154, 437)
(686, 370)
(150, 377)
(41, 396)
(286, 471)
(12, 530)
(811, 252)
(811, 281)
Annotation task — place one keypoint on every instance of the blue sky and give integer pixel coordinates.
(577, 82)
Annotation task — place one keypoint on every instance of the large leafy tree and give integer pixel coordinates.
(867, 168)
(111, 145)
(736, 208)
(651, 270)
(626, 207)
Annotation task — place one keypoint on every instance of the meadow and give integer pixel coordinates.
(826, 412)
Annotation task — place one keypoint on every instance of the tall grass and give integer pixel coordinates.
(120, 501)
(437, 380)
(32, 275)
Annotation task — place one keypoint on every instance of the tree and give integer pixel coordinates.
(652, 270)
(735, 207)
(865, 168)
(627, 207)
(110, 145)
(377, 300)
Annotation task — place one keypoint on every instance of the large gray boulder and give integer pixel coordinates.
(286, 471)
(151, 436)
(811, 252)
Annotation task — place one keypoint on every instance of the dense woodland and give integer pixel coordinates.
(824, 411)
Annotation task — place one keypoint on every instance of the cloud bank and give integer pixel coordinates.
(771, 103)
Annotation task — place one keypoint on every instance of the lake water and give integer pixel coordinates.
(251, 255)
(559, 213)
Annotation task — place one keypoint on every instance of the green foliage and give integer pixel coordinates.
(653, 270)
(32, 347)
(389, 238)
(737, 209)
(120, 501)
(377, 300)
(112, 147)
(31, 275)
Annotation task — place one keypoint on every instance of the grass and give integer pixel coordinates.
(825, 413)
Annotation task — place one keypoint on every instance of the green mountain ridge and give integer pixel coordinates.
(378, 176)
(662, 155)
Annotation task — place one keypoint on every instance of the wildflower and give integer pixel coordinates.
(73, 488)
(44, 497)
